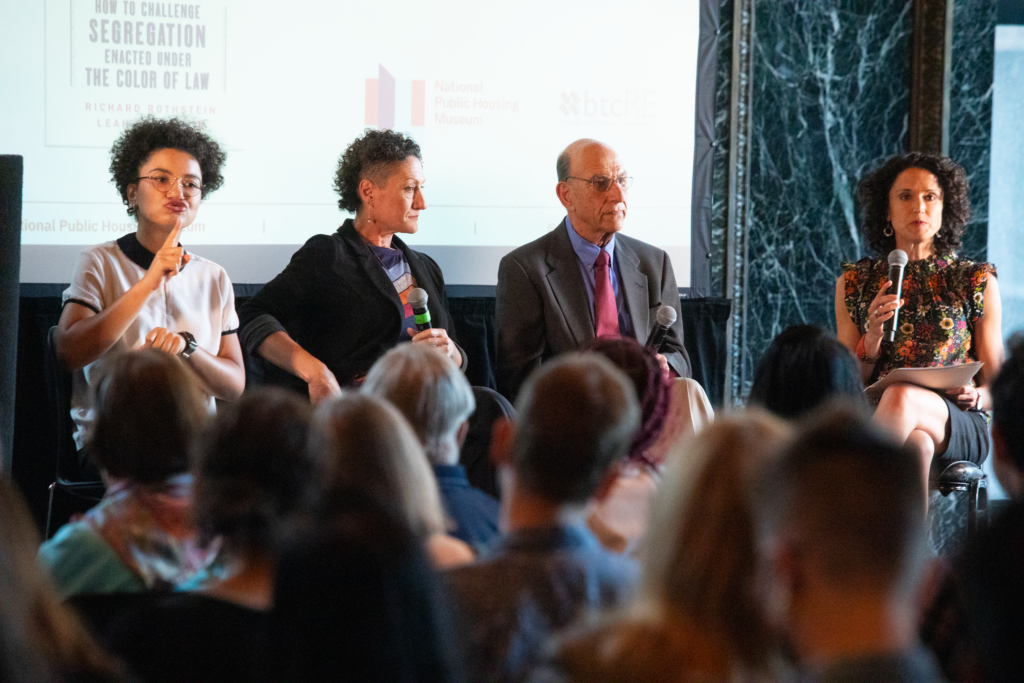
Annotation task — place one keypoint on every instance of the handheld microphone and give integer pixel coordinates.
(897, 261)
(665, 318)
(418, 300)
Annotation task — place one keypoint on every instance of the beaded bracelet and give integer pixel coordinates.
(862, 352)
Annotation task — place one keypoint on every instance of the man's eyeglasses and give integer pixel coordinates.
(189, 188)
(603, 184)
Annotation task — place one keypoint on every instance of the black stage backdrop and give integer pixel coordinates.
(35, 444)
(11, 172)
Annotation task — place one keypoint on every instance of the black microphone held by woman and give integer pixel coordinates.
(897, 262)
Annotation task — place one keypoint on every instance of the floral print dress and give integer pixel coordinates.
(944, 297)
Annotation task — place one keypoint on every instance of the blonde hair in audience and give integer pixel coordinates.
(701, 557)
(364, 444)
(697, 611)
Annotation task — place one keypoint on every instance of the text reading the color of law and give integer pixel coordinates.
(147, 46)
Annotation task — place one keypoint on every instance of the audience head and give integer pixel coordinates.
(1008, 420)
(841, 518)
(148, 135)
(373, 156)
(696, 614)
(355, 599)
(432, 394)
(40, 638)
(251, 470)
(803, 368)
(577, 417)
(148, 414)
(364, 446)
(701, 557)
(640, 364)
(875, 207)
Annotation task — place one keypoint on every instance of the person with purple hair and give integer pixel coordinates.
(669, 413)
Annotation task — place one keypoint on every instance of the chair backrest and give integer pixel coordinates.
(476, 450)
(58, 387)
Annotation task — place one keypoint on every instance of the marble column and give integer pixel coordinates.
(970, 117)
(830, 100)
(720, 182)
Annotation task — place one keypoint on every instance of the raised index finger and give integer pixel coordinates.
(172, 239)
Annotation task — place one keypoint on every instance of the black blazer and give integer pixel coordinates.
(337, 302)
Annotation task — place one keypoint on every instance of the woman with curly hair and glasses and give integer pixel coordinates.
(343, 301)
(949, 310)
(144, 289)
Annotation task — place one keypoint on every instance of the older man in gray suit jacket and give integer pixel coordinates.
(584, 279)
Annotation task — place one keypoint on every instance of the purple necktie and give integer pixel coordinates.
(605, 312)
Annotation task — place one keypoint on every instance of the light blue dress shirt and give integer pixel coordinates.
(587, 253)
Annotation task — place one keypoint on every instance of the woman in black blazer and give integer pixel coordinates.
(343, 300)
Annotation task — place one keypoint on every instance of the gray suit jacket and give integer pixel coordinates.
(543, 309)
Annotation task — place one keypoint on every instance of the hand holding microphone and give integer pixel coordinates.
(425, 332)
(883, 312)
(897, 262)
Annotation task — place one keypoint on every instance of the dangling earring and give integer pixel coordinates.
(888, 231)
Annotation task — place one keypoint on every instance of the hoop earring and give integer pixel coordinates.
(888, 231)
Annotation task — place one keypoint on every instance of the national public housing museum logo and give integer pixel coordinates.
(392, 104)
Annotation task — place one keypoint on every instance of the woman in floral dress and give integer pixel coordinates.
(950, 311)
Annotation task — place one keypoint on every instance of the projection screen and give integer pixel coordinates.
(492, 93)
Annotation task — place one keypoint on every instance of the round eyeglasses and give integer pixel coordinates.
(163, 182)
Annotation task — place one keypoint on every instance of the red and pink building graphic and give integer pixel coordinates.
(381, 100)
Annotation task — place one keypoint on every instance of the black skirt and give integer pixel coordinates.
(968, 434)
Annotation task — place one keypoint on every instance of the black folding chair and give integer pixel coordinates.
(70, 491)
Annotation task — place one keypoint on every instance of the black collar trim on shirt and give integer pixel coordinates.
(137, 253)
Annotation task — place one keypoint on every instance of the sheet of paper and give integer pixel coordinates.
(941, 378)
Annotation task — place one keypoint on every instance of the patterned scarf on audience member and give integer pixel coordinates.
(150, 530)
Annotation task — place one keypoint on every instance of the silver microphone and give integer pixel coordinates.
(418, 301)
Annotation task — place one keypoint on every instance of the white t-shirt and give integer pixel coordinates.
(199, 300)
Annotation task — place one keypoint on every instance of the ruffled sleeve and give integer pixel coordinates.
(975, 282)
(857, 276)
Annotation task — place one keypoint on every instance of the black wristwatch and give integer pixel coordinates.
(190, 344)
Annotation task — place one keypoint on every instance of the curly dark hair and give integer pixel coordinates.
(873, 194)
(370, 156)
(148, 134)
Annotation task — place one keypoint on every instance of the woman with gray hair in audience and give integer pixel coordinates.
(365, 448)
(436, 399)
